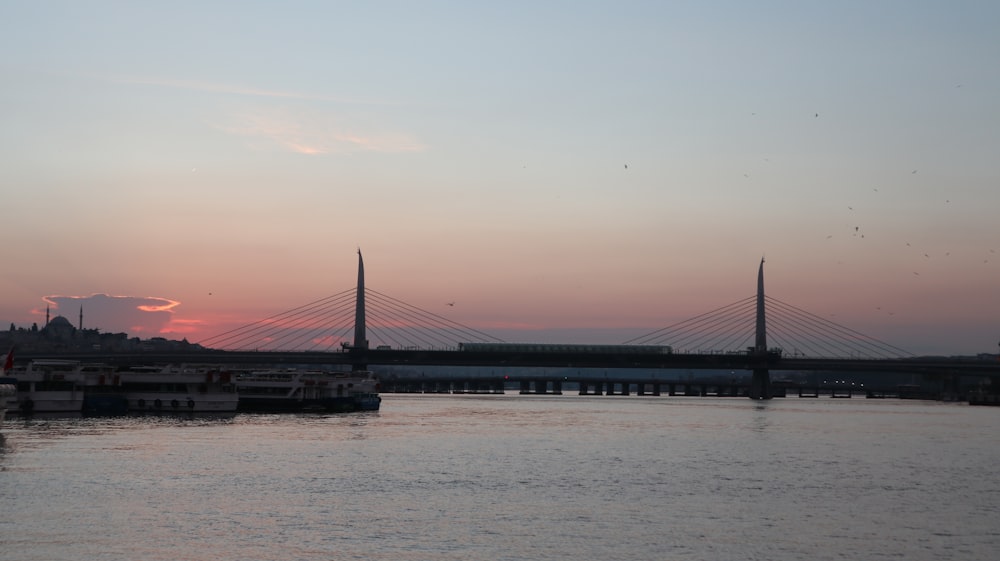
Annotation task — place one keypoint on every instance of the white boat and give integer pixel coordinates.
(8, 389)
(177, 389)
(294, 390)
(47, 386)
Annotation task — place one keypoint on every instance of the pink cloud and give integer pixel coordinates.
(314, 132)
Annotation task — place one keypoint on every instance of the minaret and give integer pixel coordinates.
(81, 318)
(46, 315)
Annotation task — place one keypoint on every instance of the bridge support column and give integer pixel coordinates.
(760, 384)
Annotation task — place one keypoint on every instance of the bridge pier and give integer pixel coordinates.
(541, 387)
(841, 392)
(760, 384)
(808, 392)
(478, 386)
(613, 388)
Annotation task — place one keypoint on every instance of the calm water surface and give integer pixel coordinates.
(512, 478)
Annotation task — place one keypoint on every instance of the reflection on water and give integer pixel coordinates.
(512, 477)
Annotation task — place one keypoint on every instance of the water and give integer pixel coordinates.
(512, 478)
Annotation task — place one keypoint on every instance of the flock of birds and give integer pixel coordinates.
(856, 230)
(857, 233)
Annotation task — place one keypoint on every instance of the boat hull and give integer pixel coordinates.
(104, 405)
(56, 402)
(346, 404)
(167, 403)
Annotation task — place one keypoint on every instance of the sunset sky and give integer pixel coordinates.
(181, 168)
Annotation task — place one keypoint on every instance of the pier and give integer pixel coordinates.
(583, 386)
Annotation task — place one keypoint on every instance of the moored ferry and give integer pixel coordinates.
(177, 389)
(47, 386)
(294, 390)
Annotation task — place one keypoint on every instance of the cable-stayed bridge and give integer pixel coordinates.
(362, 327)
(327, 325)
(330, 324)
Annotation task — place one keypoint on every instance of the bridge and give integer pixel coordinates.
(737, 337)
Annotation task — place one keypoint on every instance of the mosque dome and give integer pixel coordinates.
(59, 322)
(59, 328)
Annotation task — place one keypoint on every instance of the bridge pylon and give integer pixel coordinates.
(360, 347)
(760, 384)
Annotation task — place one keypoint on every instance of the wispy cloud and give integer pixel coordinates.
(308, 130)
(233, 89)
(315, 132)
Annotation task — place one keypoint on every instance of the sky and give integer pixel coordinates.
(557, 170)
